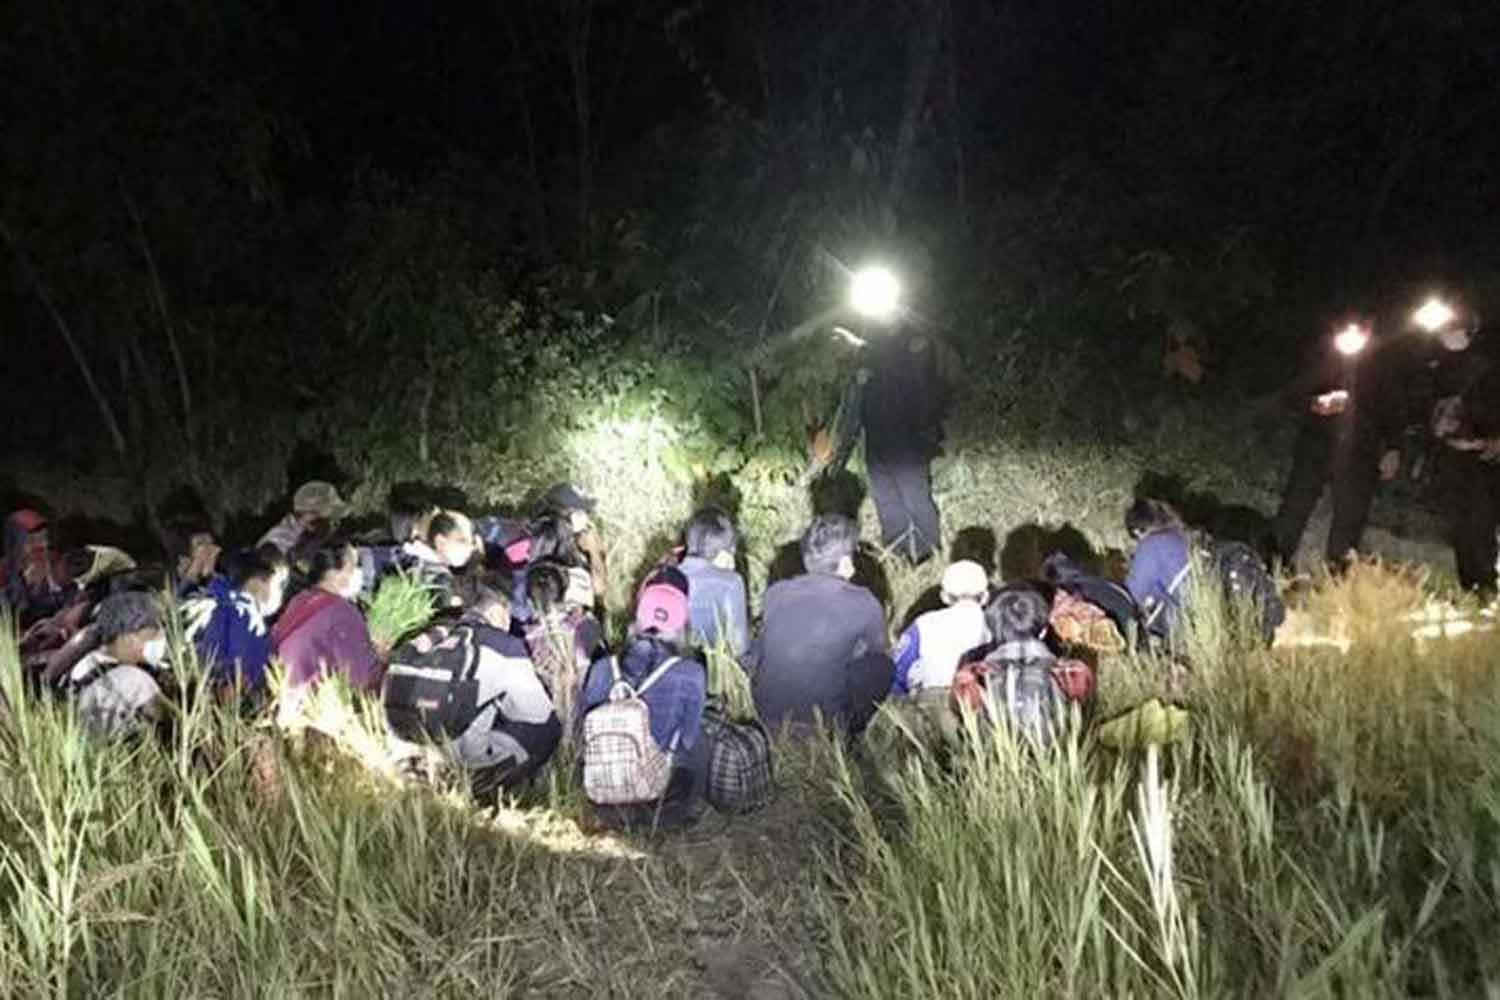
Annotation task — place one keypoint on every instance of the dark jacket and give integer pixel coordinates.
(1378, 410)
(903, 402)
(820, 635)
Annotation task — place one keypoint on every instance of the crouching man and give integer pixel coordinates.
(823, 649)
(470, 689)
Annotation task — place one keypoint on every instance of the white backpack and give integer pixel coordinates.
(622, 764)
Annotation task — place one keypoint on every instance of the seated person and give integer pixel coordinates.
(929, 652)
(823, 644)
(197, 562)
(1017, 618)
(718, 592)
(37, 582)
(321, 631)
(564, 637)
(410, 518)
(449, 546)
(576, 509)
(514, 730)
(553, 540)
(316, 510)
(1159, 567)
(228, 625)
(117, 684)
(675, 689)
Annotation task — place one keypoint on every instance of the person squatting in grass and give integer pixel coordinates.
(1159, 566)
(717, 591)
(515, 730)
(930, 650)
(449, 547)
(823, 647)
(37, 582)
(228, 624)
(564, 637)
(116, 686)
(676, 699)
(321, 631)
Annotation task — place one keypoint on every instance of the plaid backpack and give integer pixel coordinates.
(622, 764)
(739, 762)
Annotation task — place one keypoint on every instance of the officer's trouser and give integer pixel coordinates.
(1351, 473)
(901, 486)
(1470, 496)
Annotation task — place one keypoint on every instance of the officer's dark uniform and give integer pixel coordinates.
(1342, 450)
(902, 408)
(1467, 384)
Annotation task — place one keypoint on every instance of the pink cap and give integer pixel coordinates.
(663, 603)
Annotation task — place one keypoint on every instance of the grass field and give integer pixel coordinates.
(1330, 828)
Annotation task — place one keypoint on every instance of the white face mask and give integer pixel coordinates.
(579, 520)
(155, 650)
(724, 560)
(356, 584)
(846, 568)
(459, 555)
(272, 603)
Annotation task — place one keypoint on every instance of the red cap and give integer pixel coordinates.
(29, 520)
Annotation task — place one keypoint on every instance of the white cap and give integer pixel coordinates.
(965, 578)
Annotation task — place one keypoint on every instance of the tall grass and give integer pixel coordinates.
(1329, 830)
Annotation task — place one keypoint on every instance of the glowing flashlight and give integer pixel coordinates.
(1351, 340)
(1434, 315)
(875, 293)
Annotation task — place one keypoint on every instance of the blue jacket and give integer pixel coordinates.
(230, 634)
(676, 700)
(1158, 578)
(716, 596)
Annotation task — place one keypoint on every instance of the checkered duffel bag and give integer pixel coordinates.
(739, 762)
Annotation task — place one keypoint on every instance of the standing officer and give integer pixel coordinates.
(1465, 424)
(902, 408)
(1350, 419)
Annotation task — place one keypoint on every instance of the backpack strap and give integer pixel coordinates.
(655, 675)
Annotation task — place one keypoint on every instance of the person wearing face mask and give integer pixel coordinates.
(449, 547)
(321, 632)
(823, 646)
(1465, 423)
(117, 685)
(718, 601)
(316, 510)
(229, 624)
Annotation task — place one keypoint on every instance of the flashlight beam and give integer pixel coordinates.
(875, 293)
(1351, 340)
(1434, 315)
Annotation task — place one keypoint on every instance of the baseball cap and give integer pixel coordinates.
(663, 602)
(965, 578)
(28, 520)
(566, 496)
(319, 498)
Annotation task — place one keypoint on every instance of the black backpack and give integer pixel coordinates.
(1245, 580)
(1024, 696)
(430, 691)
